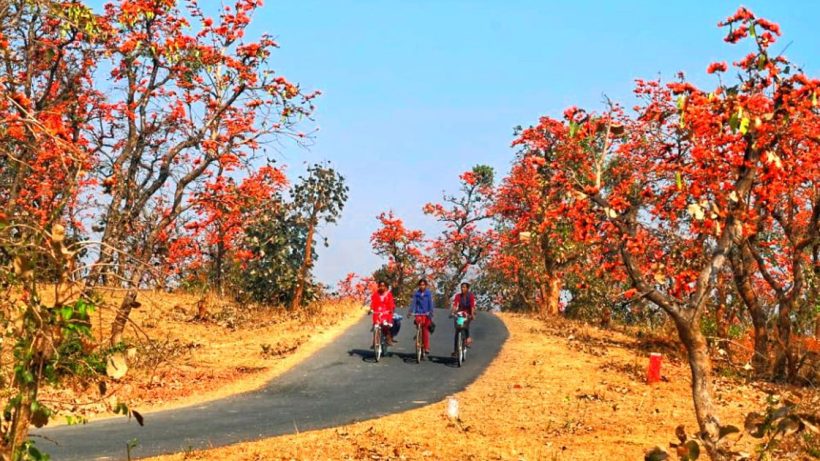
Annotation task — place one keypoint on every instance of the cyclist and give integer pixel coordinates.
(422, 308)
(383, 305)
(464, 302)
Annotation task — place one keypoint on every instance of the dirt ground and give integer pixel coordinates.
(177, 357)
(556, 392)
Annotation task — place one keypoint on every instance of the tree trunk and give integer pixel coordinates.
(550, 295)
(543, 295)
(21, 412)
(124, 311)
(21, 423)
(554, 285)
(817, 327)
(785, 365)
(761, 361)
(741, 261)
(218, 263)
(306, 263)
(701, 368)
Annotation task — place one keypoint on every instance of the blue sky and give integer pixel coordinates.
(415, 92)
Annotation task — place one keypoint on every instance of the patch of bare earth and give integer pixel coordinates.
(558, 391)
(183, 350)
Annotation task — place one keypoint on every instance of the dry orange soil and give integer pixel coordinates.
(556, 392)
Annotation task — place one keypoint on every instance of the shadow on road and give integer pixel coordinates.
(410, 358)
(367, 355)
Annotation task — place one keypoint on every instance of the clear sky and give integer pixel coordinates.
(417, 91)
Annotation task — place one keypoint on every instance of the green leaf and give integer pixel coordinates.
(679, 180)
(573, 129)
(692, 450)
(140, 419)
(121, 408)
(39, 414)
(744, 125)
(681, 102)
(656, 454)
(752, 30)
(734, 122)
(726, 430)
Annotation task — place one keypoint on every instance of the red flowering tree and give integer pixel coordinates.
(222, 210)
(538, 226)
(48, 52)
(463, 244)
(355, 287)
(777, 112)
(401, 246)
(186, 102)
(672, 189)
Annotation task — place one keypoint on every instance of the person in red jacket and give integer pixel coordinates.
(383, 305)
(465, 302)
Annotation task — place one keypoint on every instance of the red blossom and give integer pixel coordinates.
(716, 67)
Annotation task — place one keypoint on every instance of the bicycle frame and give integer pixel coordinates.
(419, 345)
(379, 340)
(461, 346)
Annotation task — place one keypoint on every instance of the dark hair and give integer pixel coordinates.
(465, 284)
(379, 282)
(424, 281)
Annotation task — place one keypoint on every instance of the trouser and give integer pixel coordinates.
(384, 320)
(424, 322)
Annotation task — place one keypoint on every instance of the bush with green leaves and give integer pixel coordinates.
(276, 241)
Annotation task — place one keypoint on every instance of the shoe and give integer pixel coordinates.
(453, 354)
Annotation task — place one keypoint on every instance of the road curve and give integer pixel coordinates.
(337, 385)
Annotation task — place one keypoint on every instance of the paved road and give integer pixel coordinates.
(339, 384)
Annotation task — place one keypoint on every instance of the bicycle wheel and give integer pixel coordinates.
(385, 347)
(377, 342)
(419, 345)
(460, 347)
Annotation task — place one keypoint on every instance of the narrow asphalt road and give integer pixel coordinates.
(339, 384)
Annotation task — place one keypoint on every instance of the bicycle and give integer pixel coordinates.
(379, 342)
(460, 342)
(419, 340)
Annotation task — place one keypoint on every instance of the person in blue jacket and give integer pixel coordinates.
(421, 307)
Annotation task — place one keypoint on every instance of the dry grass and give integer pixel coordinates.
(179, 359)
(559, 392)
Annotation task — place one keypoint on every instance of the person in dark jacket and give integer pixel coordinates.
(465, 302)
(421, 307)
